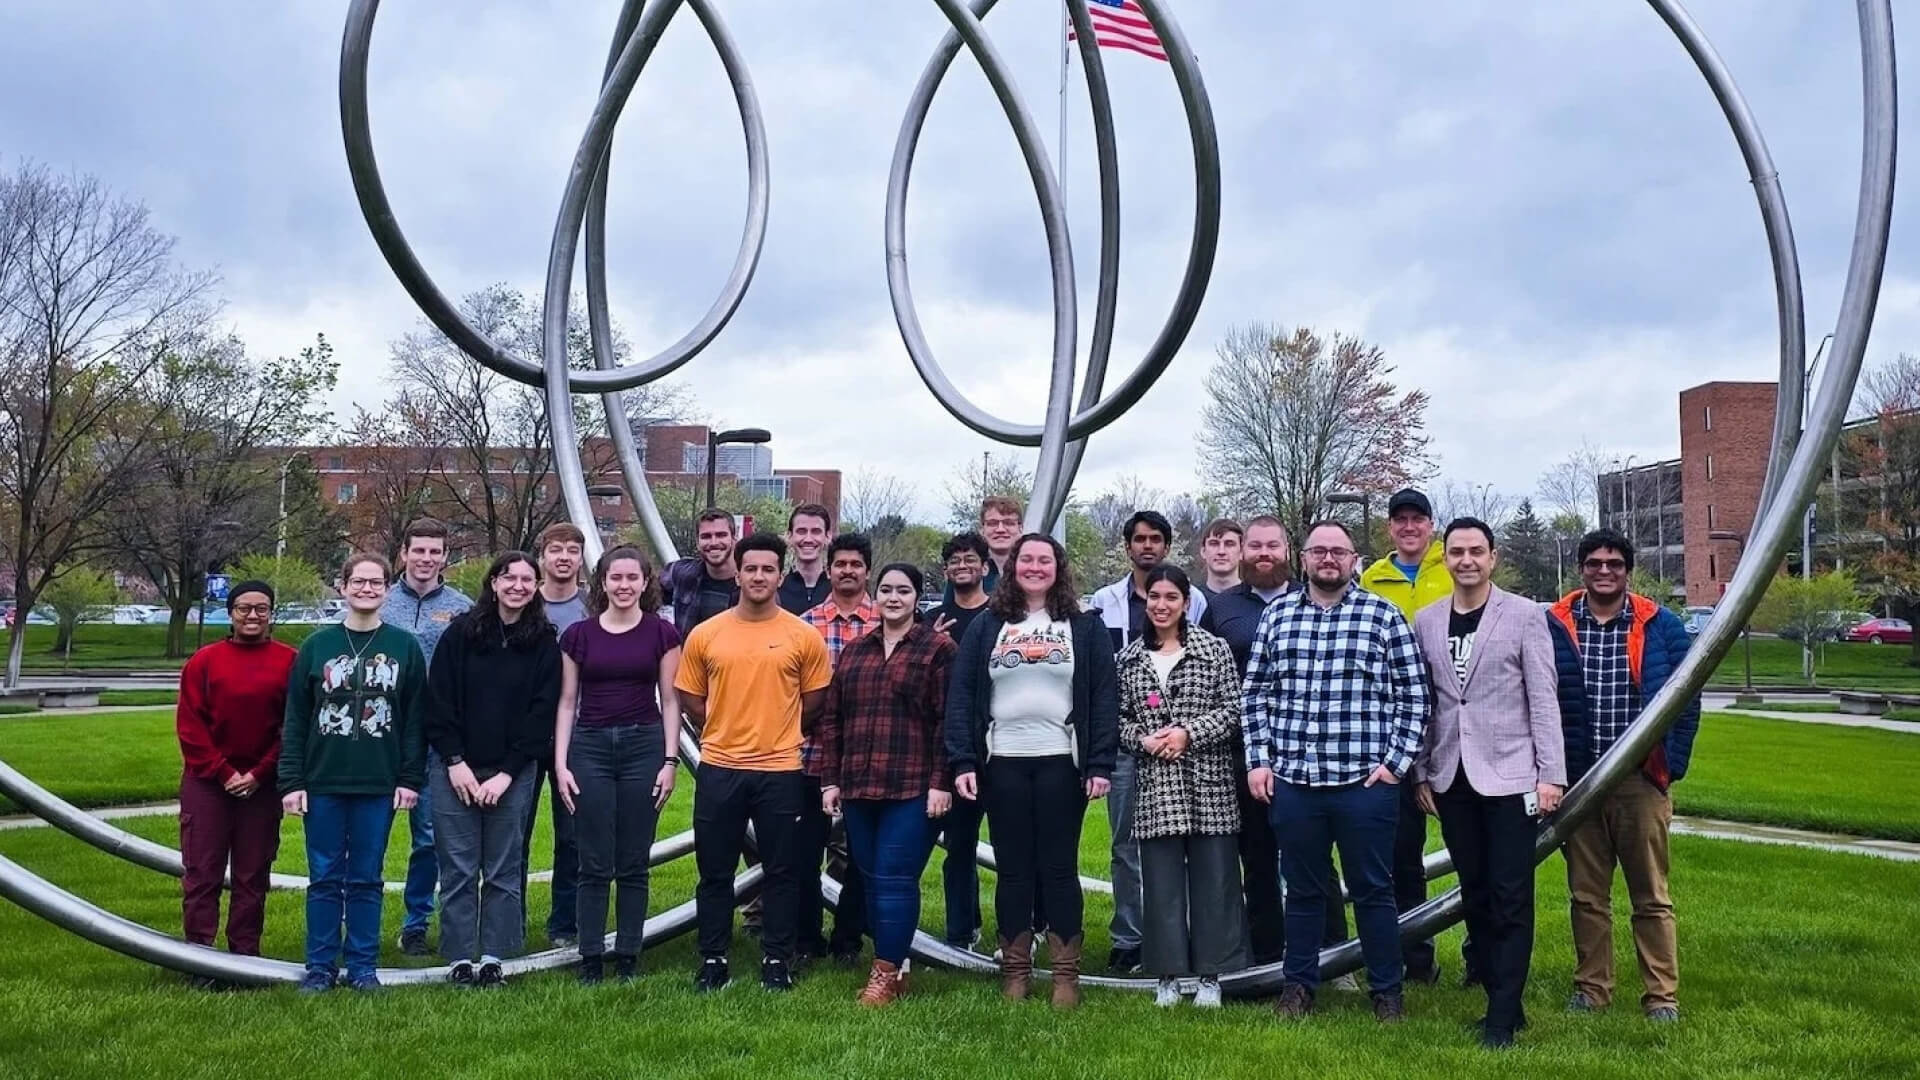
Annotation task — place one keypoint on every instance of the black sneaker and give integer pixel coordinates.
(414, 942)
(846, 956)
(317, 981)
(1496, 1039)
(1296, 1002)
(363, 984)
(491, 977)
(461, 974)
(590, 971)
(774, 975)
(625, 968)
(206, 983)
(712, 976)
(1123, 961)
(1389, 1008)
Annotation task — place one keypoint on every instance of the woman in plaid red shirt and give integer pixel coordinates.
(881, 762)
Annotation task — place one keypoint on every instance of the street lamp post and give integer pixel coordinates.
(716, 439)
(1746, 696)
(280, 540)
(1365, 502)
(1806, 520)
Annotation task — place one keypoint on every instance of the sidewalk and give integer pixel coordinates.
(1723, 703)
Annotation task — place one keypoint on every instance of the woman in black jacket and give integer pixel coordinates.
(493, 686)
(1033, 730)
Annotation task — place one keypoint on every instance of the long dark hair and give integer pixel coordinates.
(1010, 601)
(1176, 577)
(649, 601)
(484, 624)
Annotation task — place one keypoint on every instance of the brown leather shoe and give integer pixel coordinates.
(885, 984)
(1389, 1008)
(1016, 967)
(1065, 956)
(1295, 1002)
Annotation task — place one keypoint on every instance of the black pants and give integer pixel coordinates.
(1035, 807)
(566, 856)
(614, 827)
(1410, 876)
(960, 873)
(849, 918)
(1491, 838)
(724, 801)
(1260, 869)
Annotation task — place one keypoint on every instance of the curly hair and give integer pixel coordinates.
(649, 590)
(1010, 600)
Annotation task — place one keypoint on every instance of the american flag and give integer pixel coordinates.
(1120, 24)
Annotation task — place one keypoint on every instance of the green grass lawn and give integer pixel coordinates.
(1815, 776)
(127, 648)
(1780, 981)
(1841, 665)
(139, 697)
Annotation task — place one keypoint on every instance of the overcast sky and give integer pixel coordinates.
(1535, 209)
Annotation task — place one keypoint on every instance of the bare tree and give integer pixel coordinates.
(972, 482)
(1572, 485)
(207, 492)
(1292, 417)
(395, 483)
(1110, 509)
(1455, 499)
(870, 496)
(90, 302)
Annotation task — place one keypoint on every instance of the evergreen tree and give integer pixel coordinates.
(1528, 550)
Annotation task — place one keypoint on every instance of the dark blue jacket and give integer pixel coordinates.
(1656, 643)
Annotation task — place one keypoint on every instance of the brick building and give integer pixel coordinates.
(1726, 429)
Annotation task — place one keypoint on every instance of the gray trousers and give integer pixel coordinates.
(479, 850)
(614, 821)
(1125, 867)
(1194, 909)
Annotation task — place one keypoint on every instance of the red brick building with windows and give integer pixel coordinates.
(1726, 430)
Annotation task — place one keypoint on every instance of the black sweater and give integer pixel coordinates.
(490, 704)
(1096, 696)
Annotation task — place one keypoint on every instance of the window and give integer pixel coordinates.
(1709, 411)
(1709, 466)
(1709, 515)
(1713, 568)
(336, 462)
(610, 500)
(346, 493)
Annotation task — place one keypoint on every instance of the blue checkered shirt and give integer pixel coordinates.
(1333, 693)
(1612, 699)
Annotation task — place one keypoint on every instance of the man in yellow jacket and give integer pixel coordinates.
(1411, 577)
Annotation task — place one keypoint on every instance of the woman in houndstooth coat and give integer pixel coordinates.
(1180, 717)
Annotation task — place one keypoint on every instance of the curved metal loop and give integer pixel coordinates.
(1100, 412)
(381, 221)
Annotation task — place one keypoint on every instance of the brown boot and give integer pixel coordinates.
(1016, 967)
(1065, 956)
(884, 986)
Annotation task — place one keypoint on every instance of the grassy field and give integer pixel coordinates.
(106, 646)
(1842, 665)
(139, 697)
(1780, 981)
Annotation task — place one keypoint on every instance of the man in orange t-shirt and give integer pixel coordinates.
(751, 677)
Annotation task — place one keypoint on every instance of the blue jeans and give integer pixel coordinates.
(346, 844)
(423, 866)
(1307, 823)
(892, 839)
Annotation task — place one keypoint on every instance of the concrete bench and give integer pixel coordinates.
(70, 697)
(1860, 704)
(1904, 701)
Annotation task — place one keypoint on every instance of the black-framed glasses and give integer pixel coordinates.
(253, 609)
(1597, 566)
(1327, 552)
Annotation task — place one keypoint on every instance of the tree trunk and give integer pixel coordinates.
(16, 644)
(63, 637)
(177, 628)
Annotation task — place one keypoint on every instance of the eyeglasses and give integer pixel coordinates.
(366, 583)
(253, 609)
(1327, 552)
(964, 560)
(1597, 566)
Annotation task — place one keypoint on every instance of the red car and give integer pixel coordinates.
(1880, 631)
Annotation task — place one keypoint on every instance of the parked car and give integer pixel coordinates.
(1696, 619)
(1833, 628)
(1883, 631)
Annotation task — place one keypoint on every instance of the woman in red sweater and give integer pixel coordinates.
(233, 701)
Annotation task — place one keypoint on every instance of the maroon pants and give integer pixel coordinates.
(216, 827)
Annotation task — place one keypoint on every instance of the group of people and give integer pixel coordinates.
(1240, 728)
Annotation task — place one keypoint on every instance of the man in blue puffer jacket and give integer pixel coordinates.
(1618, 649)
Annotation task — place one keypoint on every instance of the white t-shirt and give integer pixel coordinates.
(1163, 664)
(1031, 669)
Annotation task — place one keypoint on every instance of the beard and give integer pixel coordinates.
(1274, 578)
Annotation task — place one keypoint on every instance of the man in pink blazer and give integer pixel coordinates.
(1493, 747)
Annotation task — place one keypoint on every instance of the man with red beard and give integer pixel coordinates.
(1266, 574)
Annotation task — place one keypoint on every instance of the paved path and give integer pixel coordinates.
(1722, 703)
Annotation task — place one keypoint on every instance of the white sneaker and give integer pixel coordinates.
(1347, 983)
(1208, 996)
(1167, 994)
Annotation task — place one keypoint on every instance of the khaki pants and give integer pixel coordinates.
(1631, 831)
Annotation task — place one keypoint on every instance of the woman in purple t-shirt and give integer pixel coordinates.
(615, 758)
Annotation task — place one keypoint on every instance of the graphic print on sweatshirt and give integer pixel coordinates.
(356, 693)
(1017, 645)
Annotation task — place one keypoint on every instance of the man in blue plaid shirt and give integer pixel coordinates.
(1335, 711)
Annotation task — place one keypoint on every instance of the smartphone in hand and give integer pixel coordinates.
(1531, 800)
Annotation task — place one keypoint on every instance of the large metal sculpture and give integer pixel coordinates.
(1793, 469)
